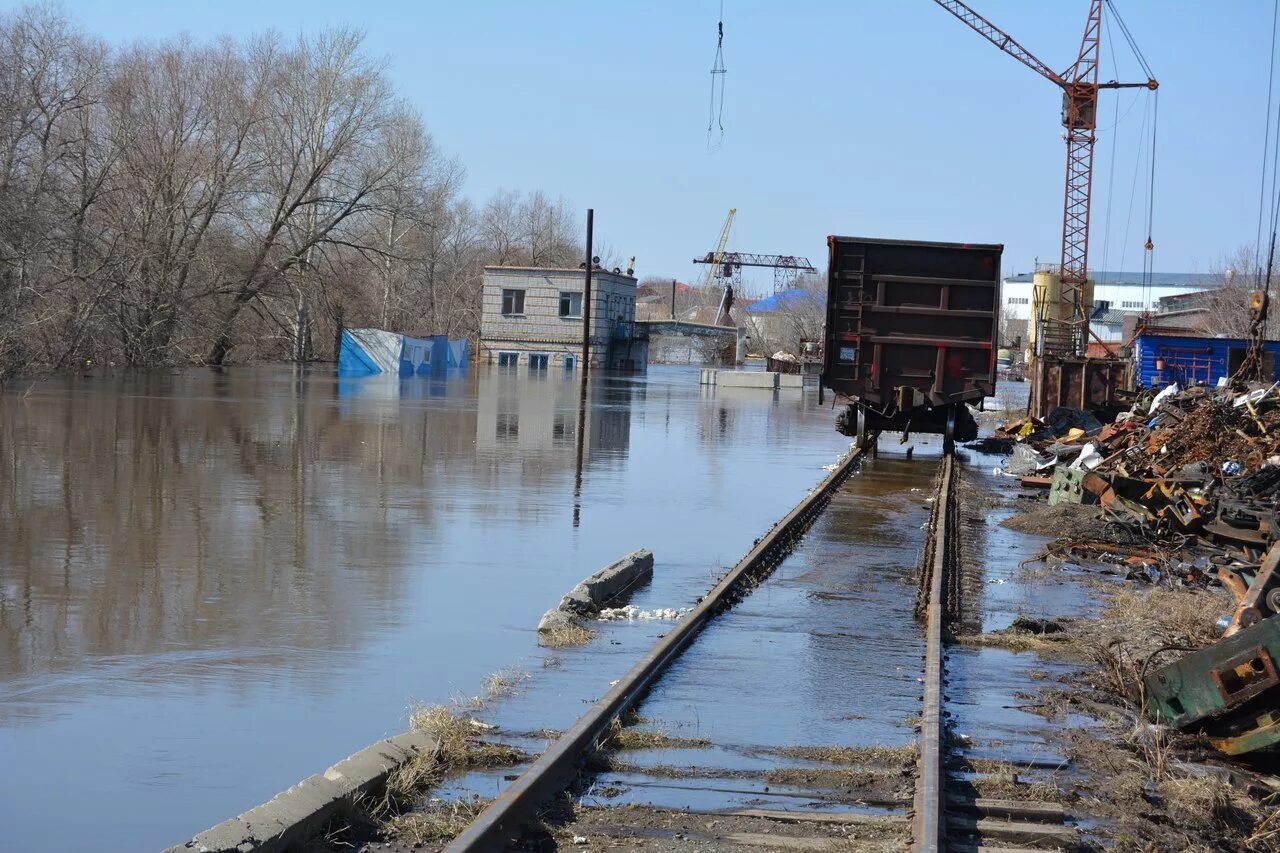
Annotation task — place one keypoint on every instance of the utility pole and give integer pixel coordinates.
(582, 393)
(586, 300)
(673, 299)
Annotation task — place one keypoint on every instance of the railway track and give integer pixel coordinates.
(946, 815)
(939, 813)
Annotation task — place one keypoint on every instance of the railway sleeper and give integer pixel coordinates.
(1038, 836)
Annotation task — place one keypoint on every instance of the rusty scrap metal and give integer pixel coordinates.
(1195, 476)
(1226, 691)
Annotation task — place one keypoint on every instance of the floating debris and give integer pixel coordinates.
(631, 613)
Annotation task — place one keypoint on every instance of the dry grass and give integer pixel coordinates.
(452, 732)
(1002, 781)
(646, 739)
(566, 636)
(833, 779)
(467, 703)
(1018, 641)
(419, 772)
(883, 755)
(1168, 616)
(456, 747)
(439, 822)
(503, 683)
(1209, 803)
(495, 755)
(622, 737)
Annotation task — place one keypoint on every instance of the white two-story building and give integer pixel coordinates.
(533, 316)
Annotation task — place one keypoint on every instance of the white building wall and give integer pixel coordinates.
(1015, 295)
(541, 329)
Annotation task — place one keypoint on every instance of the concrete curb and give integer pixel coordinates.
(293, 817)
(588, 597)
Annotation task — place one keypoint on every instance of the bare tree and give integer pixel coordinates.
(197, 201)
(1224, 306)
(796, 315)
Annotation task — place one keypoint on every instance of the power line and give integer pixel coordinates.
(1133, 190)
(1148, 260)
(1111, 161)
(1133, 45)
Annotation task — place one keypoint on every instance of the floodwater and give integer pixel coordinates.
(213, 584)
(825, 652)
(993, 693)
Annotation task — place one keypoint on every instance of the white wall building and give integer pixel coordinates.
(1123, 291)
(533, 316)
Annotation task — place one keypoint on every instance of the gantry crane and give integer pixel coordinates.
(786, 268)
(1062, 330)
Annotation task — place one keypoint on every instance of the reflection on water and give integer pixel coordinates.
(214, 583)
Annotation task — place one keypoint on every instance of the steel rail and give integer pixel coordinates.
(555, 769)
(928, 823)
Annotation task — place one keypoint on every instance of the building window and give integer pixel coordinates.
(570, 303)
(1131, 305)
(1018, 300)
(570, 362)
(538, 360)
(512, 302)
(563, 428)
(507, 427)
(508, 359)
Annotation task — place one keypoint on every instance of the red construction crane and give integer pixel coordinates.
(1067, 333)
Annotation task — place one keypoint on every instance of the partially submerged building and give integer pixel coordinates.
(684, 342)
(533, 316)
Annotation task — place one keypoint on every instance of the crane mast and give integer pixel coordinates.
(1068, 333)
(1062, 329)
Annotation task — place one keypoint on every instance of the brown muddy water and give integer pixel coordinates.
(213, 584)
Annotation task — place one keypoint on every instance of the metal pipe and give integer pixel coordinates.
(498, 824)
(586, 299)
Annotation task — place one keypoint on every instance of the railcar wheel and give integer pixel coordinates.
(861, 428)
(949, 435)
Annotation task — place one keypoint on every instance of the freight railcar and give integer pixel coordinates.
(911, 334)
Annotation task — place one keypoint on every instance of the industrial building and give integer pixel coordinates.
(682, 342)
(532, 316)
(1122, 292)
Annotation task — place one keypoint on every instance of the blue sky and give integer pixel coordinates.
(877, 118)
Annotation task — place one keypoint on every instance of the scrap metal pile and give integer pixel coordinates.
(1188, 483)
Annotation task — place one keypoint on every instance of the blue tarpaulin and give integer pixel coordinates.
(366, 352)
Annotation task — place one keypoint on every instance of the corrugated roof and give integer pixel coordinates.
(1114, 315)
(784, 299)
